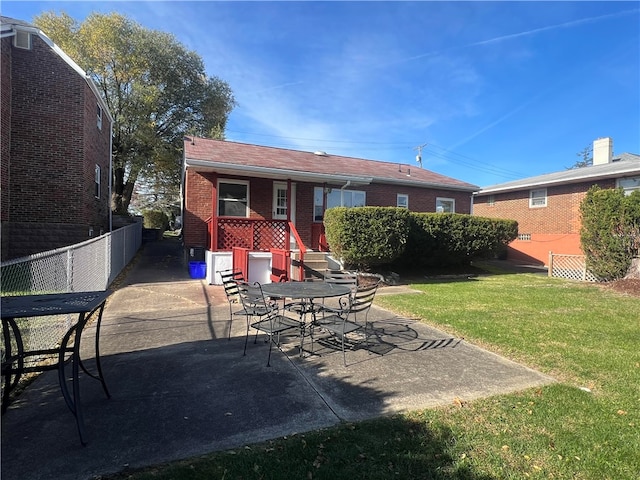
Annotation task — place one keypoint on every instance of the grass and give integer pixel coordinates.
(586, 426)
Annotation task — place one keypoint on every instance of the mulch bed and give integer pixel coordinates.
(627, 286)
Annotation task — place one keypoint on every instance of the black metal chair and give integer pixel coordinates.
(230, 278)
(270, 321)
(343, 320)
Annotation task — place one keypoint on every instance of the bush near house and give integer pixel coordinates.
(367, 236)
(155, 219)
(445, 239)
(370, 236)
(610, 232)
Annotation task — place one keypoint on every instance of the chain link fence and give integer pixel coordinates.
(87, 266)
(573, 267)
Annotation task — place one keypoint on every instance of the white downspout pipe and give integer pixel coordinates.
(342, 192)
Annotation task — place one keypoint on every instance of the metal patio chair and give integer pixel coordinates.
(343, 321)
(230, 278)
(269, 319)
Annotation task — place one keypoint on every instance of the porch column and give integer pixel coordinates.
(214, 214)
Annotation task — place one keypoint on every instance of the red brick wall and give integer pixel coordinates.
(198, 202)
(5, 124)
(555, 227)
(49, 201)
(420, 199)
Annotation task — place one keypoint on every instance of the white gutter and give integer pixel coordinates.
(559, 181)
(421, 184)
(278, 173)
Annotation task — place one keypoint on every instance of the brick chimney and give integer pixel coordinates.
(602, 151)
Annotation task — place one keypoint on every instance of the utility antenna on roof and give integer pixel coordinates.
(419, 156)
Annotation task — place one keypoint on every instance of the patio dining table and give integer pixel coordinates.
(18, 358)
(306, 293)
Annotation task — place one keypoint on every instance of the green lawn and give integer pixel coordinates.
(587, 426)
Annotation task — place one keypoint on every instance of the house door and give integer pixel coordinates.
(280, 201)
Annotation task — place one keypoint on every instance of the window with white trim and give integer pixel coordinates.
(233, 198)
(445, 205)
(491, 201)
(99, 117)
(629, 184)
(336, 197)
(538, 198)
(22, 39)
(402, 200)
(524, 237)
(97, 181)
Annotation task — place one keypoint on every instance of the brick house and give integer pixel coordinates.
(262, 199)
(547, 207)
(56, 146)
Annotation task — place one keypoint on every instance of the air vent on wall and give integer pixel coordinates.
(22, 40)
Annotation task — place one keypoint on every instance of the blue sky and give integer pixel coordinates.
(496, 90)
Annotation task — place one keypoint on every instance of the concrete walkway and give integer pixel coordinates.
(181, 388)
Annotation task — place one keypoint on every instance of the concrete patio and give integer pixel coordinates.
(180, 388)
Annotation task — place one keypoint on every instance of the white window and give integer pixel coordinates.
(22, 39)
(445, 205)
(97, 181)
(538, 198)
(630, 184)
(524, 237)
(233, 199)
(99, 115)
(318, 204)
(280, 203)
(402, 200)
(491, 201)
(336, 197)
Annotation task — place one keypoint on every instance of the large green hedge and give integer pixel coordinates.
(369, 236)
(441, 239)
(610, 234)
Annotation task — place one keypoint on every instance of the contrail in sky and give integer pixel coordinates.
(516, 35)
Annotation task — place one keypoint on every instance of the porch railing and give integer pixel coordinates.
(255, 235)
(242, 235)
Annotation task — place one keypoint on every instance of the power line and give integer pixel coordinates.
(434, 150)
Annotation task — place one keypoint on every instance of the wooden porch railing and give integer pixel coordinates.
(242, 235)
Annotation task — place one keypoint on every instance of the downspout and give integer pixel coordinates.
(110, 174)
(342, 192)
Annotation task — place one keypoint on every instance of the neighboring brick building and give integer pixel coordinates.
(56, 146)
(547, 207)
(245, 195)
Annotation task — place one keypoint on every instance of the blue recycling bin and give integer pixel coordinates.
(198, 270)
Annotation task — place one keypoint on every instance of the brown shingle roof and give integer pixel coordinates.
(202, 153)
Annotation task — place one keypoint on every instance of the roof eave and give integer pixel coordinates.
(553, 183)
(424, 184)
(275, 173)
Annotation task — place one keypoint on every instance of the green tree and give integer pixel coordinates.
(586, 158)
(156, 90)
